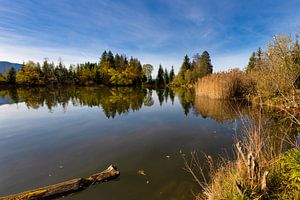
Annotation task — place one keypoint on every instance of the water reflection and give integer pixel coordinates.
(218, 110)
(122, 100)
(114, 101)
(83, 140)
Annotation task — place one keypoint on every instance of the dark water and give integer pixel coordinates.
(47, 136)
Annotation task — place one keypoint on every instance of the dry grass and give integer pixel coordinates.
(225, 85)
(258, 172)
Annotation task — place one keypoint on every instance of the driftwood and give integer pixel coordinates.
(64, 188)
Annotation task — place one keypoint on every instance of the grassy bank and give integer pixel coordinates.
(267, 164)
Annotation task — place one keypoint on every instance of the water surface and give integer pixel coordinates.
(48, 136)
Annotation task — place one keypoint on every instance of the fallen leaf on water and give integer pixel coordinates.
(142, 172)
(168, 157)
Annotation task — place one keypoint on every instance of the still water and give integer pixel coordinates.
(48, 136)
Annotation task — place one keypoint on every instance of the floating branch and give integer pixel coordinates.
(65, 188)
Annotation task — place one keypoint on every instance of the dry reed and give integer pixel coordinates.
(225, 85)
(256, 173)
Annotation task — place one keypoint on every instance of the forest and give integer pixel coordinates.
(111, 70)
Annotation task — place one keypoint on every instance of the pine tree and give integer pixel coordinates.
(104, 56)
(205, 64)
(160, 77)
(171, 75)
(110, 59)
(259, 58)
(252, 63)
(166, 76)
(103, 68)
(186, 65)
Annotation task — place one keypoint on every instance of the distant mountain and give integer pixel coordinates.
(4, 65)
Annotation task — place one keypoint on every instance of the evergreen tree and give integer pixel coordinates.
(186, 65)
(110, 59)
(252, 63)
(201, 66)
(117, 61)
(259, 58)
(104, 56)
(11, 76)
(205, 64)
(103, 68)
(171, 75)
(48, 72)
(166, 76)
(160, 76)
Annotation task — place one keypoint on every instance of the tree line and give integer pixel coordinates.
(113, 70)
(191, 71)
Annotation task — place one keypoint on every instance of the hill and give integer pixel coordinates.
(4, 65)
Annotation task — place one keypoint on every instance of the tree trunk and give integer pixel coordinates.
(65, 188)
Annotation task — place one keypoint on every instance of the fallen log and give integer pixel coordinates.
(65, 188)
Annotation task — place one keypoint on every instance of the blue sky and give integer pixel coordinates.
(155, 31)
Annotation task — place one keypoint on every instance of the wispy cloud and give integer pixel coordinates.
(156, 31)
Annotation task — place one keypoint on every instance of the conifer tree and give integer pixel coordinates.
(166, 76)
(171, 75)
(160, 77)
(259, 58)
(205, 64)
(252, 63)
(186, 65)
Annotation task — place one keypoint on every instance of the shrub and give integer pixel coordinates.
(278, 72)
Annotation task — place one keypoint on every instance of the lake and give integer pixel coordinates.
(48, 136)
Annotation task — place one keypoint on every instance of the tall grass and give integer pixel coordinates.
(225, 85)
(264, 168)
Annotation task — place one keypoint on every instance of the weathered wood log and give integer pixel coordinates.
(65, 188)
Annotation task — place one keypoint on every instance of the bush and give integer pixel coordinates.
(278, 72)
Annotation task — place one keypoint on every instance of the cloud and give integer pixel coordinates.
(155, 31)
(22, 54)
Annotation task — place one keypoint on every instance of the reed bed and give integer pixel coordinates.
(225, 85)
